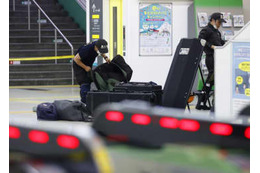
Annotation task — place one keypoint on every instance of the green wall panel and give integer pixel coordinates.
(219, 3)
(76, 12)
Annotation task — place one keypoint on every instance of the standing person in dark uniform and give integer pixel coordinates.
(83, 62)
(212, 36)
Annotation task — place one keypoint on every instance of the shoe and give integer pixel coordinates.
(200, 103)
(202, 107)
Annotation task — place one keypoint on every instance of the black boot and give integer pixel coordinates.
(200, 103)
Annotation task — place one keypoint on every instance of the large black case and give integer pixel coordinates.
(182, 73)
(96, 98)
(144, 87)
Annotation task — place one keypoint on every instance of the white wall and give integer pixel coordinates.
(151, 68)
(246, 10)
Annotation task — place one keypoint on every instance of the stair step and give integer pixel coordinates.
(38, 53)
(33, 82)
(25, 19)
(38, 1)
(44, 33)
(45, 7)
(44, 39)
(24, 46)
(47, 61)
(40, 67)
(40, 74)
(35, 13)
(43, 26)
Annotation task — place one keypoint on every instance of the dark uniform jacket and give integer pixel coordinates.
(87, 55)
(212, 36)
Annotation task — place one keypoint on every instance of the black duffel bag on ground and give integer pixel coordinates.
(72, 110)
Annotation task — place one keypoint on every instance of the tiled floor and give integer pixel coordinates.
(22, 101)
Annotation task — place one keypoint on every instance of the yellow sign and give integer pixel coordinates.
(247, 92)
(95, 16)
(239, 80)
(244, 66)
(95, 36)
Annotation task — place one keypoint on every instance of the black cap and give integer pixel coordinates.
(102, 46)
(218, 16)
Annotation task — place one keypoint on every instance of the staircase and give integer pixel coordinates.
(24, 43)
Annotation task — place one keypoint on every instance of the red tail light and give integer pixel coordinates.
(120, 138)
(247, 132)
(114, 116)
(189, 125)
(221, 129)
(14, 132)
(141, 119)
(67, 141)
(171, 123)
(38, 136)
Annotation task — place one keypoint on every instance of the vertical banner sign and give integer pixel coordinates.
(241, 76)
(96, 22)
(155, 29)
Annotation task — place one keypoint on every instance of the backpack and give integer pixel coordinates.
(47, 111)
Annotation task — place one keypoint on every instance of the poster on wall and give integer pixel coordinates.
(238, 20)
(155, 29)
(203, 19)
(227, 35)
(227, 17)
(240, 76)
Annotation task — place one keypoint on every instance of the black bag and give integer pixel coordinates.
(144, 87)
(182, 73)
(106, 76)
(72, 110)
(46, 111)
(96, 98)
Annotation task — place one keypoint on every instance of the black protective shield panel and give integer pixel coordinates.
(182, 73)
(96, 98)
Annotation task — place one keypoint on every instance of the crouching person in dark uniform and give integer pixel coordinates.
(83, 62)
(212, 36)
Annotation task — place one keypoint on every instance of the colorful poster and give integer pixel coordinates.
(241, 76)
(203, 19)
(227, 35)
(155, 29)
(228, 19)
(238, 20)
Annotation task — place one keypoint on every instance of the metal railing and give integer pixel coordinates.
(40, 10)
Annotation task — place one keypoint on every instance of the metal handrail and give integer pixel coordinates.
(55, 32)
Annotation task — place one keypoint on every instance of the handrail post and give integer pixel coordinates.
(29, 15)
(55, 42)
(72, 71)
(39, 24)
(13, 5)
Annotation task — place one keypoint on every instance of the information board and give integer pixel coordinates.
(240, 76)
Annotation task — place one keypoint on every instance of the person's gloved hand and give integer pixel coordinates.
(107, 60)
(203, 42)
